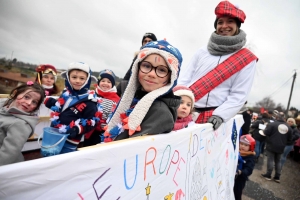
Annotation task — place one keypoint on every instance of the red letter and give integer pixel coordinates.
(147, 163)
(178, 169)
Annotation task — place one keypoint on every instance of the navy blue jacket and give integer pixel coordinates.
(248, 166)
(83, 109)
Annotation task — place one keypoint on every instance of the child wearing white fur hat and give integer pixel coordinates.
(184, 112)
(77, 110)
(148, 105)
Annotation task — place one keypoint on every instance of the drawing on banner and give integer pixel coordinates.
(234, 135)
(188, 166)
(169, 196)
(105, 190)
(197, 190)
(220, 186)
(227, 184)
(148, 189)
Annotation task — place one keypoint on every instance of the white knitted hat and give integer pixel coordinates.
(180, 90)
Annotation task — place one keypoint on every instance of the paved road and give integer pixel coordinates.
(259, 188)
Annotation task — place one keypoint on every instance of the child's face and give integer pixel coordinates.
(77, 78)
(48, 79)
(185, 107)
(244, 147)
(27, 101)
(151, 81)
(105, 84)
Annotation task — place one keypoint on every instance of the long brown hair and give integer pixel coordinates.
(35, 87)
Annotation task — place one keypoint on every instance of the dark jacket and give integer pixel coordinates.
(248, 165)
(255, 126)
(82, 109)
(160, 117)
(276, 141)
(247, 122)
(295, 136)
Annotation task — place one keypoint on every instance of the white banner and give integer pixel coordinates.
(195, 163)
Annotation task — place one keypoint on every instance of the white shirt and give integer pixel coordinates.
(230, 95)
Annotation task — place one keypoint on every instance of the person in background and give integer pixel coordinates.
(47, 76)
(148, 105)
(258, 127)
(290, 144)
(185, 110)
(254, 117)
(219, 81)
(107, 94)
(76, 111)
(147, 37)
(278, 134)
(18, 118)
(247, 119)
(246, 166)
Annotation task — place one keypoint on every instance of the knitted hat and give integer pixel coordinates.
(173, 59)
(43, 70)
(247, 139)
(225, 8)
(82, 67)
(107, 73)
(181, 90)
(149, 35)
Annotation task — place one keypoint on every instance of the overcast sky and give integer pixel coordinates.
(106, 34)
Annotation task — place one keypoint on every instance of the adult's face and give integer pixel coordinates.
(226, 26)
(146, 40)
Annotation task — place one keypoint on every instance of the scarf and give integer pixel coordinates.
(182, 122)
(222, 45)
(110, 94)
(247, 153)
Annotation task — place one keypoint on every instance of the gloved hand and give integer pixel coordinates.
(73, 132)
(216, 121)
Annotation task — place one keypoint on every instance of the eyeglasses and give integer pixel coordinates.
(48, 70)
(160, 71)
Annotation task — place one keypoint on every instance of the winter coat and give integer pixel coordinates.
(255, 126)
(295, 136)
(160, 117)
(16, 127)
(278, 134)
(248, 166)
(230, 95)
(82, 108)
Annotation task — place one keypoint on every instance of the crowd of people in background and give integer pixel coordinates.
(157, 95)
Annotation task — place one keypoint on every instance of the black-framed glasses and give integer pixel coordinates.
(161, 71)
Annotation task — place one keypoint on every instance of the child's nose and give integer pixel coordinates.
(152, 73)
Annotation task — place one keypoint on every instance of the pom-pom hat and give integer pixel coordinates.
(109, 74)
(173, 59)
(180, 90)
(225, 8)
(247, 139)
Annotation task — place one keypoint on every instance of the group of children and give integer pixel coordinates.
(99, 115)
(151, 104)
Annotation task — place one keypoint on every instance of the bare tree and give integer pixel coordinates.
(267, 103)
